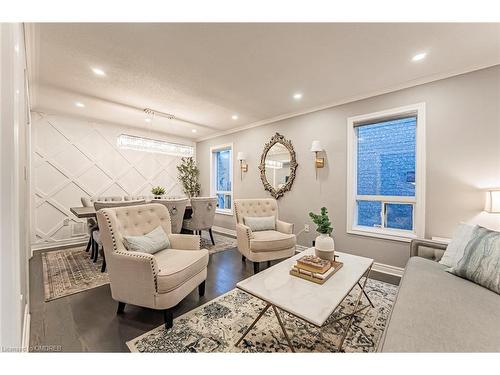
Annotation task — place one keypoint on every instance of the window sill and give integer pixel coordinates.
(393, 235)
(221, 211)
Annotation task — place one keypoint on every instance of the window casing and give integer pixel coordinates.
(221, 177)
(386, 173)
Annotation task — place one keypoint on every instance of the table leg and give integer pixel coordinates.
(366, 295)
(253, 323)
(355, 308)
(283, 329)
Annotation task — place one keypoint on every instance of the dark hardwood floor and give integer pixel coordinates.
(87, 321)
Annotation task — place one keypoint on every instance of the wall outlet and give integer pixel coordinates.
(66, 222)
(306, 228)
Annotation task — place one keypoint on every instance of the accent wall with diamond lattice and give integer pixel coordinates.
(73, 157)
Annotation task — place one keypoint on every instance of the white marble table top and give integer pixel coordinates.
(305, 299)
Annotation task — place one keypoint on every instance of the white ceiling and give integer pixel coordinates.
(205, 73)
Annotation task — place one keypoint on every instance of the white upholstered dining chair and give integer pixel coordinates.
(203, 215)
(157, 281)
(176, 209)
(273, 243)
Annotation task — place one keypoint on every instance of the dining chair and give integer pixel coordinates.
(92, 222)
(202, 217)
(176, 209)
(96, 234)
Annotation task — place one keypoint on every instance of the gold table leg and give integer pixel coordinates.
(253, 323)
(355, 308)
(283, 329)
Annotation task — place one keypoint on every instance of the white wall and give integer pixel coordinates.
(462, 152)
(75, 157)
(14, 190)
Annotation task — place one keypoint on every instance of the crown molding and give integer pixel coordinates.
(355, 98)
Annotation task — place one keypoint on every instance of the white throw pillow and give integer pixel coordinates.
(259, 223)
(150, 243)
(455, 250)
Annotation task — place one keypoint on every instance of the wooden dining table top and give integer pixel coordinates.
(90, 212)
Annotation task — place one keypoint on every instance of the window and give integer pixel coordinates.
(386, 173)
(221, 177)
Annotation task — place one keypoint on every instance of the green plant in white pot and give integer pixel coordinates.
(158, 191)
(323, 245)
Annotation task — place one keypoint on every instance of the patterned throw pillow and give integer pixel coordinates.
(150, 243)
(481, 261)
(259, 223)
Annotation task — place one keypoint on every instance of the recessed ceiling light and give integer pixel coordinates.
(235, 117)
(147, 119)
(98, 72)
(297, 96)
(419, 56)
(78, 104)
(194, 130)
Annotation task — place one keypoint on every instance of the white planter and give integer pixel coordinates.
(324, 247)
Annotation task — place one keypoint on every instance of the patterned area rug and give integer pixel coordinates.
(70, 271)
(217, 325)
(222, 243)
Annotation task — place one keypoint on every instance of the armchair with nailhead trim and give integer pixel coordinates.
(266, 245)
(158, 281)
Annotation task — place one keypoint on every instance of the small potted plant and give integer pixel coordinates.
(323, 245)
(158, 191)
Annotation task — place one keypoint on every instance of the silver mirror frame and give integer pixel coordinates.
(277, 193)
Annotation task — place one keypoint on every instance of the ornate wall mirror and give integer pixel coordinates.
(278, 165)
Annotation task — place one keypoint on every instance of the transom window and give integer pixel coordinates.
(385, 196)
(221, 177)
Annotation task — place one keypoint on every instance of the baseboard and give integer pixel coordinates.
(388, 269)
(225, 231)
(378, 267)
(25, 340)
(59, 244)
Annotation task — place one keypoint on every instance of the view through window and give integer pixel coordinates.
(222, 178)
(385, 174)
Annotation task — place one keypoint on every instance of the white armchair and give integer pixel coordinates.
(267, 245)
(158, 281)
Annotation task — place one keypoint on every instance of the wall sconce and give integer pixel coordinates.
(319, 162)
(492, 201)
(243, 166)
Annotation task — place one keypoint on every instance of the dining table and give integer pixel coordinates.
(90, 212)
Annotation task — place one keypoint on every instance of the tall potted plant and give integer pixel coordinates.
(188, 176)
(324, 245)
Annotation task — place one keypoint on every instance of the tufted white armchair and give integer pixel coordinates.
(158, 281)
(267, 245)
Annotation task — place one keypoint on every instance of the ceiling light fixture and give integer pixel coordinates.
(98, 72)
(235, 117)
(194, 130)
(419, 56)
(297, 96)
(147, 119)
(79, 104)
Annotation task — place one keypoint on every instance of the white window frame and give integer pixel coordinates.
(418, 201)
(213, 183)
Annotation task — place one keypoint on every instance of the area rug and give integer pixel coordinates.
(217, 325)
(70, 271)
(222, 243)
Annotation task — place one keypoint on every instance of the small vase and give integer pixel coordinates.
(324, 247)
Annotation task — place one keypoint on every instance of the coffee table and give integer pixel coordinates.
(306, 300)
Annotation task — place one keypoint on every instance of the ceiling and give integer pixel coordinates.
(207, 73)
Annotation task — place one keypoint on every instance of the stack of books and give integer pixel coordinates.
(315, 269)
